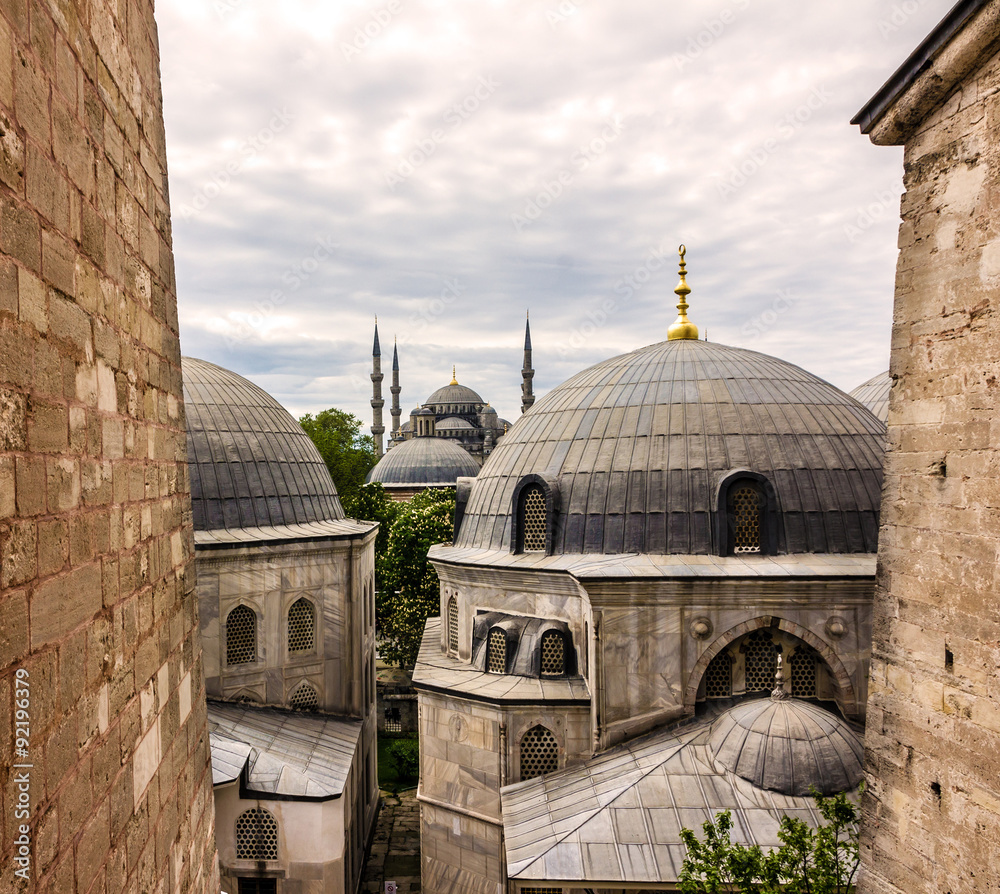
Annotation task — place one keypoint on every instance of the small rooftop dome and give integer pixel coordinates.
(874, 394)
(453, 423)
(788, 746)
(423, 462)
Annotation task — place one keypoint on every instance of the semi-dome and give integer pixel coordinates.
(423, 462)
(454, 423)
(788, 746)
(634, 453)
(874, 394)
(250, 462)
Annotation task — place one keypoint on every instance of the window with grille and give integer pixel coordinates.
(453, 625)
(533, 519)
(761, 659)
(745, 505)
(541, 891)
(539, 752)
(393, 721)
(496, 652)
(256, 835)
(304, 696)
(241, 636)
(719, 676)
(553, 653)
(301, 626)
(802, 670)
(257, 886)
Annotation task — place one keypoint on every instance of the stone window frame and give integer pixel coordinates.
(770, 514)
(491, 642)
(453, 631)
(270, 821)
(567, 652)
(300, 685)
(559, 753)
(550, 490)
(299, 653)
(257, 615)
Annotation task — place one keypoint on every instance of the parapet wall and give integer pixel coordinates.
(98, 619)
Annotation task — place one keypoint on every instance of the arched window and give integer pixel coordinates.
(532, 518)
(802, 670)
(719, 676)
(256, 835)
(241, 636)
(761, 660)
(746, 517)
(453, 625)
(301, 626)
(496, 652)
(304, 696)
(553, 649)
(539, 752)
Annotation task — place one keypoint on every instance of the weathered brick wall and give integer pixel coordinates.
(932, 808)
(96, 591)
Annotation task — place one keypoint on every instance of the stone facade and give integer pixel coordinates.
(97, 607)
(932, 806)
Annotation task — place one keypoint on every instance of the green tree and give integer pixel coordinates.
(371, 502)
(410, 593)
(348, 454)
(823, 860)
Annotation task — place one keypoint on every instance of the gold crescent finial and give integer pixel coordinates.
(454, 381)
(682, 327)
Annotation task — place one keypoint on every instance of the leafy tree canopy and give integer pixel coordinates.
(348, 454)
(371, 502)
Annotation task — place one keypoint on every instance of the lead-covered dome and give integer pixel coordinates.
(453, 394)
(633, 453)
(423, 462)
(250, 462)
(874, 394)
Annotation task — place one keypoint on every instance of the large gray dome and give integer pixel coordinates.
(874, 394)
(423, 462)
(453, 394)
(250, 462)
(637, 446)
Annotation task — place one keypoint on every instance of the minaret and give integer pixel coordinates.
(527, 373)
(394, 390)
(378, 429)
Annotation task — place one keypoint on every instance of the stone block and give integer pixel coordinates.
(61, 604)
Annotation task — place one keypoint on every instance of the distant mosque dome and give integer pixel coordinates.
(788, 746)
(251, 464)
(453, 394)
(423, 462)
(874, 394)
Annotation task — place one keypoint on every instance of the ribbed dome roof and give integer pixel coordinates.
(638, 445)
(788, 746)
(453, 423)
(874, 394)
(453, 394)
(423, 462)
(250, 462)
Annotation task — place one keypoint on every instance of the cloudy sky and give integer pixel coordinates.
(448, 164)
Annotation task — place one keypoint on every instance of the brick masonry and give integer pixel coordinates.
(96, 582)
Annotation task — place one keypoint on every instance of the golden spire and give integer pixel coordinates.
(454, 381)
(682, 327)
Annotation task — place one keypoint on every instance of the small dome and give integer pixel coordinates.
(788, 746)
(453, 423)
(423, 462)
(874, 394)
(250, 462)
(453, 394)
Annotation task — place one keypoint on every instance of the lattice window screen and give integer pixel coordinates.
(539, 752)
(533, 518)
(241, 636)
(761, 659)
(746, 504)
(301, 626)
(541, 891)
(719, 676)
(256, 835)
(496, 652)
(553, 653)
(802, 666)
(304, 696)
(453, 625)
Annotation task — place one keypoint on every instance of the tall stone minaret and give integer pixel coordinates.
(394, 390)
(378, 429)
(527, 373)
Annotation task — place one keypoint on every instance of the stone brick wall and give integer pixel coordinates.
(96, 596)
(932, 807)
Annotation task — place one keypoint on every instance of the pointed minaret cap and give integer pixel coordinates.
(395, 356)
(376, 350)
(527, 333)
(682, 327)
(454, 381)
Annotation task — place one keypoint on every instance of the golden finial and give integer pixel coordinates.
(454, 381)
(682, 327)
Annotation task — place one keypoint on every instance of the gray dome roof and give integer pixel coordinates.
(637, 446)
(788, 746)
(250, 462)
(452, 423)
(453, 394)
(874, 394)
(423, 462)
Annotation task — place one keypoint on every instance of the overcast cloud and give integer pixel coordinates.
(448, 165)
